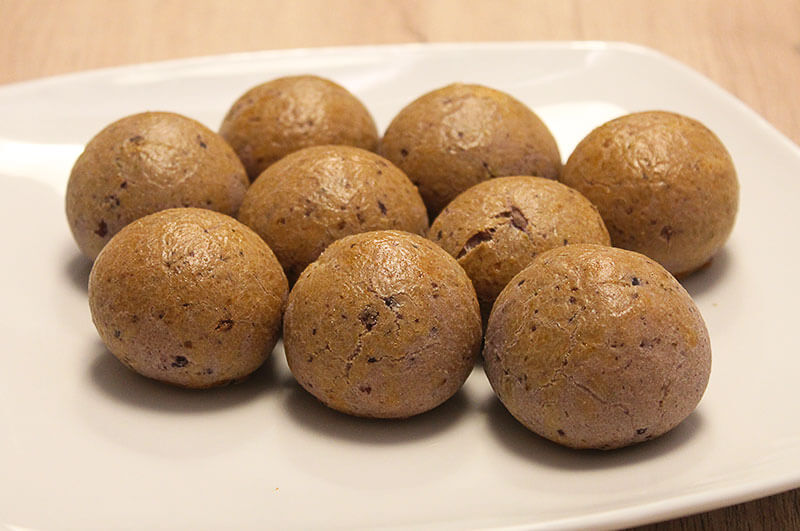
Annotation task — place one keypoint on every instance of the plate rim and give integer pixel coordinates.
(637, 514)
(412, 47)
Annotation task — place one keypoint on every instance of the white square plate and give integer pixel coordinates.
(86, 444)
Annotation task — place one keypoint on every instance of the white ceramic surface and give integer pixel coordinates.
(86, 444)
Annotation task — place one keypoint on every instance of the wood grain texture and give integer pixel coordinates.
(750, 48)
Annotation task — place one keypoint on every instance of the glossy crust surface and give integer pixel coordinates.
(384, 324)
(457, 136)
(187, 296)
(597, 347)
(144, 163)
(664, 184)
(496, 228)
(312, 197)
(276, 118)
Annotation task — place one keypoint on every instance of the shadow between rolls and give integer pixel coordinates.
(524, 443)
(119, 383)
(705, 278)
(77, 270)
(313, 415)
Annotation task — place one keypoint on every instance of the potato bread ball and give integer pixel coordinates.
(189, 297)
(597, 347)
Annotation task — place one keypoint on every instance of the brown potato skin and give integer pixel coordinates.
(496, 228)
(664, 184)
(312, 197)
(384, 324)
(189, 297)
(457, 136)
(273, 119)
(144, 163)
(597, 347)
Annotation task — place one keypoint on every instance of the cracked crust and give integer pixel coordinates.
(276, 118)
(187, 296)
(314, 196)
(497, 227)
(597, 347)
(384, 324)
(457, 136)
(144, 163)
(664, 184)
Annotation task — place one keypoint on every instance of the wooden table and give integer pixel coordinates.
(750, 48)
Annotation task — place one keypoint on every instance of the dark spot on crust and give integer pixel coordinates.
(640, 431)
(565, 241)
(382, 207)
(439, 235)
(180, 361)
(200, 141)
(371, 360)
(486, 167)
(573, 300)
(518, 219)
(473, 241)
(521, 282)
(389, 301)
(136, 139)
(365, 389)
(561, 432)
(666, 232)
(313, 331)
(117, 333)
(102, 229)
(224, 325)
(369, 318)
(635, 281)
(404, 152)
(123, 184)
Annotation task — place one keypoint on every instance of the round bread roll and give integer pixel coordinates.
(276, 118)
(312, 197)
(384, 324)
(664, 184)
(497, 227)
(597, 347)
(188, 296)
(145, 163)
(457, 136)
